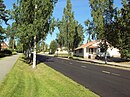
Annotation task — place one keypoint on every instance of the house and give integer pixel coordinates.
(91, 50)
(3, 45)
(62, 51)
(87, 50)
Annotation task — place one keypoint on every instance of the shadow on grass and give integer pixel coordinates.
(40, 59)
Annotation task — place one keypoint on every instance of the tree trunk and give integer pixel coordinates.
(106, 46)
(0, 45)
(105, 57)
(34, 53)
(13, 44)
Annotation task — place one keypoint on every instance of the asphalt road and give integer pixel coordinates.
(104, 81)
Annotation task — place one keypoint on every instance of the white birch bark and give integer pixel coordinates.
(34, 53)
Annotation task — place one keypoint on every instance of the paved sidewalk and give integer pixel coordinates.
(118, 64)
(6, 64)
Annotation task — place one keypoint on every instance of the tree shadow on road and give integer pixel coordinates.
(40, 59)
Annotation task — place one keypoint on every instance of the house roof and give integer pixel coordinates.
(3, 45)
(89, 44)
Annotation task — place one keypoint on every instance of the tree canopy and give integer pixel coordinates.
(53, 46)
(33, 19)
(71, 32)
(120, 35)
(112, 24)
(3, 17)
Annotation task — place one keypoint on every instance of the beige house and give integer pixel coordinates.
(91, 50)
(62, 51)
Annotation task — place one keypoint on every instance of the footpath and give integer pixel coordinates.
(118, 64)
(6, 64)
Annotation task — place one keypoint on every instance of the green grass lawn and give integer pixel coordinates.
(23, 81)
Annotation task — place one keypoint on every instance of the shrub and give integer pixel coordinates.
(14, 53)
(53, 47)
(2, 55)
(6, 52)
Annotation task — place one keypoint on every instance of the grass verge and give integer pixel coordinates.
(23, 81)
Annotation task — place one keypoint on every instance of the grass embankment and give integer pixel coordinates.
(23, 81)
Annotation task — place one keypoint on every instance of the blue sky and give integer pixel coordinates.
(81, 11)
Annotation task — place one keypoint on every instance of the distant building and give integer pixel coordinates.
(3, 45)
(91, 50)
(62, 50)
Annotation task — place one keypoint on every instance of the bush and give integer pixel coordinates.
(53, 46)
(2, 55)
(7, 52)
(14, 53)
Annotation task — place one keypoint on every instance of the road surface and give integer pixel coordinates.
(104, 81)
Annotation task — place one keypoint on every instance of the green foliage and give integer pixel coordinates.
(91, 30)
(102, 13)
(53, 46)
(11, 34)
(3, 12)
(3, 17)
(71, 32)
(33, 18)
(103, 46)
(112, 24)
(6, 52)
(2, 55)
(19, 47)
(119, 35)
(14, 53)
(44, 47)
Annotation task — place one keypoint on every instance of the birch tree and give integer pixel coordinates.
(33, 18)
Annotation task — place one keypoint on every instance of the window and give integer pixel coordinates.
(80, 50)
(90, 50)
